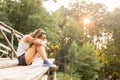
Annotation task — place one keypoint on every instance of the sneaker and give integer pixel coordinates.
(46, 63)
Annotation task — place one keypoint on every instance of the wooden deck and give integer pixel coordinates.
(7, 62)
(33, 72)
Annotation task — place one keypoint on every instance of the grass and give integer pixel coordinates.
(62, 76)
(65, 76)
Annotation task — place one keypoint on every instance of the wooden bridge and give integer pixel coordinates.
(9, 69)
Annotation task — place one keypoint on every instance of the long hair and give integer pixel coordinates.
(37, 33)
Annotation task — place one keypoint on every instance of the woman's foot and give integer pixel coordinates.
(46, 63)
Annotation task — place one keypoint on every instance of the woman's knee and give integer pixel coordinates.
(40, 48)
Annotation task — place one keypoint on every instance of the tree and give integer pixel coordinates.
(88, 64)
(72, 58)
(69, 31)
(94, 11)
(27, 15)
(112, 53)
(19, 12)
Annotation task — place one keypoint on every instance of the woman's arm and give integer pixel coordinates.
(35, 41)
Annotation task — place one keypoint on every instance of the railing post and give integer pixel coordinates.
(13, 35)
(52, 73)
(12, 42)
(12, 48)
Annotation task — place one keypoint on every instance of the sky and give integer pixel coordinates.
(52, 6)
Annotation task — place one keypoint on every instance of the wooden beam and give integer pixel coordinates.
(12, 48)
(4, 46)
(12, 42)
(3, 51)
(9, 29)
(16, 36)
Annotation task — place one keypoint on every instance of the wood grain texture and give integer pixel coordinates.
(32, 72)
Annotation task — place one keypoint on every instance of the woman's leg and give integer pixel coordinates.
(30, 54)
(42, 52)
(32, 51)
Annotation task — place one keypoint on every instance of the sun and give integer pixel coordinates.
(86, 20)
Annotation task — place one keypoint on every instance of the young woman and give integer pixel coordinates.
(30, 45)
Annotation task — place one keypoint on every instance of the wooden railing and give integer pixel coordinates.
(36, 71)
(8, 37)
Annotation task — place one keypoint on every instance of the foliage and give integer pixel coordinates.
(66, 76)
(88, 63)
(72, 58)
(65, 34)
(27, 15)
(69, 31)
(102, 21)
(95, 12)
(112, 52)
(19, 12)
(4, 18)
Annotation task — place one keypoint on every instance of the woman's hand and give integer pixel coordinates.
(36, 41)
(40, 42)
(44, 43)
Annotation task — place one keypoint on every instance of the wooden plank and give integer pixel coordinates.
(7, 62)
(32, 72)
(3, 59)
(4, 46)
(5, 29)
(23, 73)
(12, 48)
(9, 29)
(3, 51)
